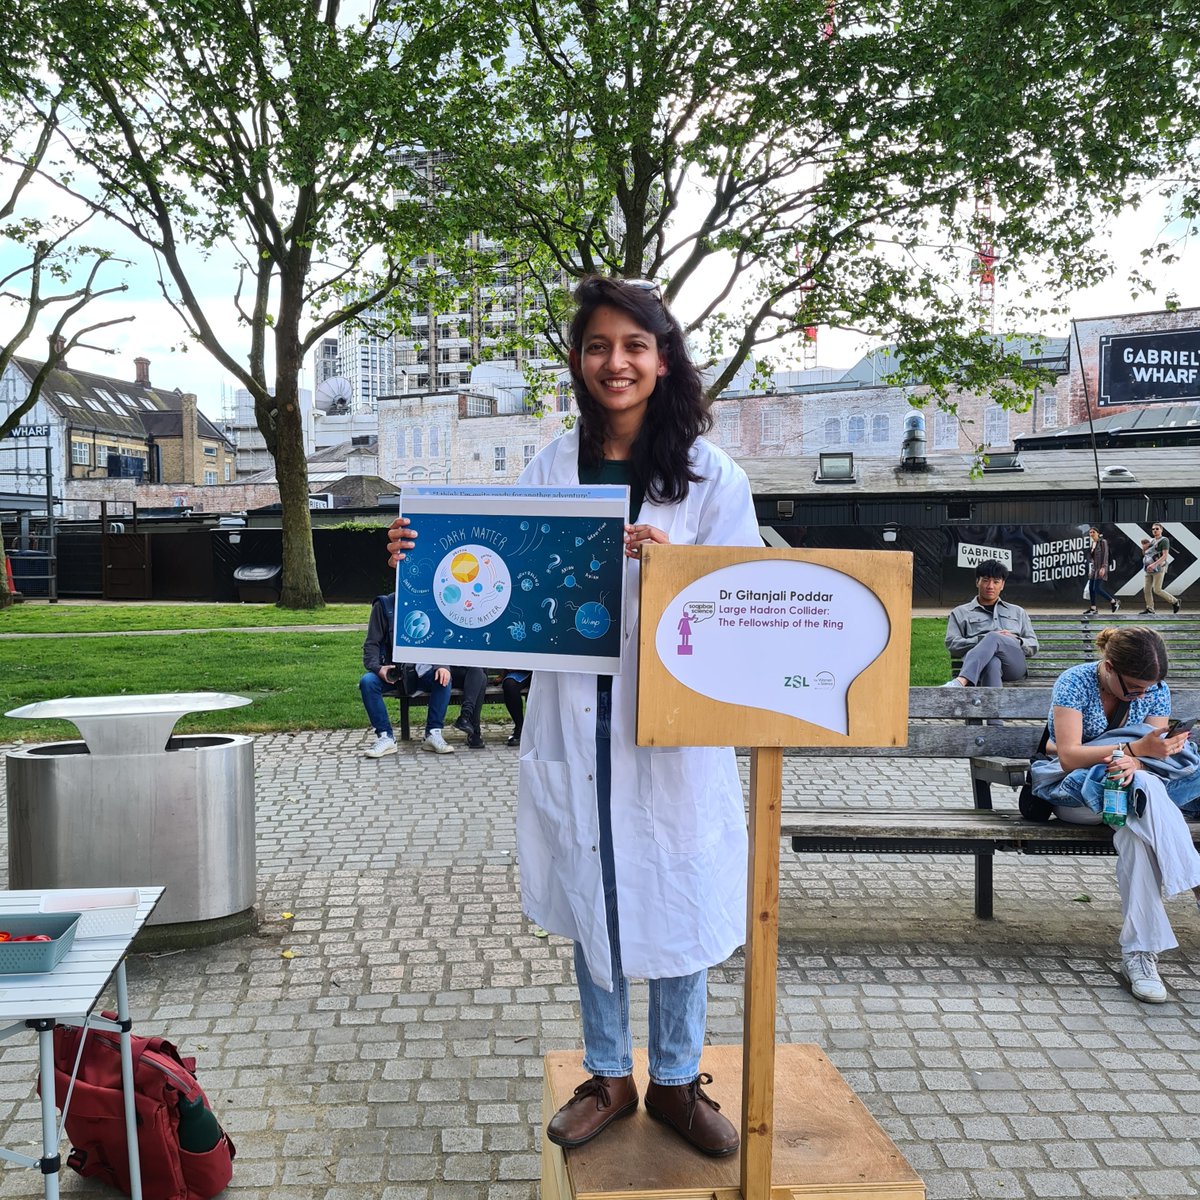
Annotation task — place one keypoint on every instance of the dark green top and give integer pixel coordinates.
(616, 472)
(619, 473)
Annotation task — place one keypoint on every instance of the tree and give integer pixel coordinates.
(54, 273)
(270, 134)
(782, 164)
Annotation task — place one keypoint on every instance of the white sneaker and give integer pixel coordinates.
(1141, 969)
(384, 744)
(436, 744)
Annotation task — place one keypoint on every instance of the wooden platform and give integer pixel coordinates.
(827, 1145)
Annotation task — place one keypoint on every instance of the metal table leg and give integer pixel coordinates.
(131, 1139)
(51, 1162)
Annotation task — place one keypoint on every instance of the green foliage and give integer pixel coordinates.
(785, 163)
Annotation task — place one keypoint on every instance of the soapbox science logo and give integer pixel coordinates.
(511, 577)
(785, 636)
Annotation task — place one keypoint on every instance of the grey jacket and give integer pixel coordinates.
(969, 623)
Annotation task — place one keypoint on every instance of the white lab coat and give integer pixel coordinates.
(678, 814)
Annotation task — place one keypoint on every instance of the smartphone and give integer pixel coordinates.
(1180, 727)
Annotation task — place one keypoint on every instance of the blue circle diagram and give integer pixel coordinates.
(592, 619)
(416, 625)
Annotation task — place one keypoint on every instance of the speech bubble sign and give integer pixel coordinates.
(788, 637)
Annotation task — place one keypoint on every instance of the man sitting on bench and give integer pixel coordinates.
(381, 679)
(992, 637)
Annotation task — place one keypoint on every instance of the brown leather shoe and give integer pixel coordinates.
(695, 1116)
(597, 1102)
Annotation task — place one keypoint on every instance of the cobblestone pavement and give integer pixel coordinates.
(398, 1054)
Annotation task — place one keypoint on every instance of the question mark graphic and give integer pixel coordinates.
(487, 639)
(449, 636)
(550, 604)
(555, 560)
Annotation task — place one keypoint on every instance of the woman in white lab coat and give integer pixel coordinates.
(638, 854)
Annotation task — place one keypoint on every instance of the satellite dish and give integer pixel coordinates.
(334, 395)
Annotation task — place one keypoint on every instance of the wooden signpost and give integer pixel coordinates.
(767, 649)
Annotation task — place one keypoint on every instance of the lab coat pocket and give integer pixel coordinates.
(545, 787)
(681, 801)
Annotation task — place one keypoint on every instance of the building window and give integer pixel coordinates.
(856, 430)
(210, 478)
(418, 449)
(93, 404)
(1050, 411)
(731, 426)
(68, 399)
(833, 431)
(995, 425)
(81, 454)
(945, 431)
(881, 426)
(433, 443)
(210, 452)
(500, 467)
(771, 427)
(400, 443)
(530, 449)
(228, 473)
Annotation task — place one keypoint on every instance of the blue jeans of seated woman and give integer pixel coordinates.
(1084, 788)
(678, 1007)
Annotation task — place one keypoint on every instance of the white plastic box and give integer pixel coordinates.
(104, 912)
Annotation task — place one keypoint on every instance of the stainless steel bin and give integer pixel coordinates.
(132, 805)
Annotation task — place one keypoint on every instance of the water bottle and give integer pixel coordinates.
(1116, 795)
(199, 1130)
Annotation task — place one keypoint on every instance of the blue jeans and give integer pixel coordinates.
(1084, 788)
(373, 689)
(1097, 587)
(678, 1007)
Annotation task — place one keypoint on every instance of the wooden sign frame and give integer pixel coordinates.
(671, 714)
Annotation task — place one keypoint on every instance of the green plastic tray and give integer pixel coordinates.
(33, 958)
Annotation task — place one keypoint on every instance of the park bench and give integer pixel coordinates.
(950, 723)
(1066, 640)
(493, 694)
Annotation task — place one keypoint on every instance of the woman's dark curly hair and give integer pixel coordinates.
(1136, 651)
(676, 415)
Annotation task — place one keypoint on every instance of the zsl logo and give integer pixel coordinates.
(795, 681)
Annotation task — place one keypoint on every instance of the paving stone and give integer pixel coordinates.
(398, 1056)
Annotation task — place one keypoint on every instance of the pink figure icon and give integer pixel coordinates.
(685, 635)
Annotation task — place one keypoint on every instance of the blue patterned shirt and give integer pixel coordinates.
(1079, 688)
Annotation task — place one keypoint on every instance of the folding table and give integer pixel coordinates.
(66, 996)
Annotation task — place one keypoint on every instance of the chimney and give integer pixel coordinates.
(58, 346)
(190, 439)
(142, 367)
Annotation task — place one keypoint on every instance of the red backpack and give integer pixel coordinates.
(96, 1118)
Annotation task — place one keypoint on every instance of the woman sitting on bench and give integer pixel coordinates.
(1122, 703)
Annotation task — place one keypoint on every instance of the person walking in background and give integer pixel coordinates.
(993, 638)
(635, 853)
(1156, 572)
(1098, 560)
(1122, 703)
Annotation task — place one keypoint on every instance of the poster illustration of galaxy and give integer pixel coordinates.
(511, 577)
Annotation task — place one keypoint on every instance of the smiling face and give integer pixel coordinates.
(620, 364)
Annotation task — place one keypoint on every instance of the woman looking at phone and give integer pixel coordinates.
(1094, 705)
(635, 853)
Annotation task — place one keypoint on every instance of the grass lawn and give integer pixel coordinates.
(297, 680)
(116, 618)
